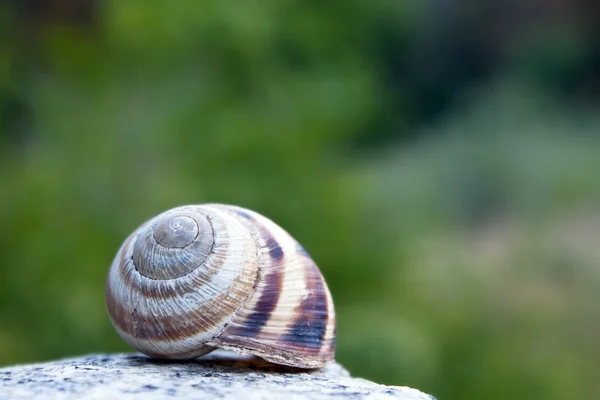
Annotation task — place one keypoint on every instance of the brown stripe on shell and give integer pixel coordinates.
(308, 330)
(275, 250)
(242, 213)
(119, 315)
(331, 321)
(302, 251)
(124, 256)
(271, 291)
(334, 338)
(265, 305)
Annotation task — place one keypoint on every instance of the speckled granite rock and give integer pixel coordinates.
(221, 374)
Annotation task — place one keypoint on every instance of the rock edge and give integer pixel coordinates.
(221, 374)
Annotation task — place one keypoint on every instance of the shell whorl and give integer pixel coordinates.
(195, 278)
(174, 245)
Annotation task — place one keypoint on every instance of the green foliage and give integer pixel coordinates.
(490, 292)
(461, 263)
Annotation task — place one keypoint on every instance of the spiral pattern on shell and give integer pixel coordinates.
(201, 277)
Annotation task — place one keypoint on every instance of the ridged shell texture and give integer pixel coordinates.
(201, 277)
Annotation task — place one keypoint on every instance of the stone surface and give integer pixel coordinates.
(221, 374)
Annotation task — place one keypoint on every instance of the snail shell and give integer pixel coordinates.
(201, 277)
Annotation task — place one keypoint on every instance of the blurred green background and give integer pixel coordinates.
(440, 160)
